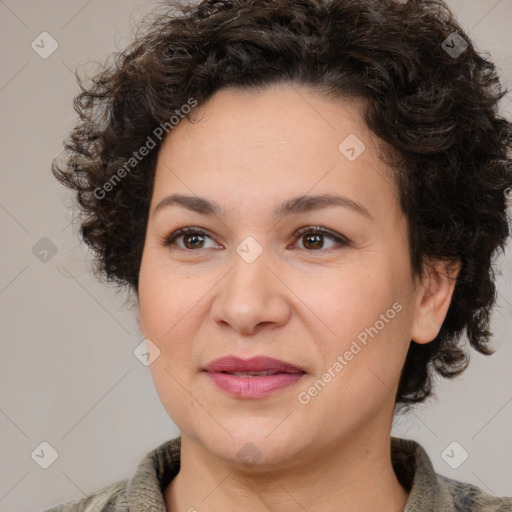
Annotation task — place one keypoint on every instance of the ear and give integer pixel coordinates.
(434, 297)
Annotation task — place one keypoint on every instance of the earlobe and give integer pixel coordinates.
(436, 291)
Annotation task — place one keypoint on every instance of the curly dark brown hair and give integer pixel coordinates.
(433, 100)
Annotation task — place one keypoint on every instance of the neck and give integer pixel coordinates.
(356, 475)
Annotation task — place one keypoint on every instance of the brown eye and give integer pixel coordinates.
(195, 241)
(313, 241)
(313, 238)
(193, 238)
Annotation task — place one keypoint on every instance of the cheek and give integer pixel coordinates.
(366, 313)
(165, 299)
(355, 298)
(172, 306)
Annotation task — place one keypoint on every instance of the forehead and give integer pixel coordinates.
(282, 114)
(274, 143)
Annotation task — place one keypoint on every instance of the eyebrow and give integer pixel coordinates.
(292, 206)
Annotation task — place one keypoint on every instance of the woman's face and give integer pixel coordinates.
(245, 283)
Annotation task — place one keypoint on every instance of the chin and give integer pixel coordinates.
(258, 446)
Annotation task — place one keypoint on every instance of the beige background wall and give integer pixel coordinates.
(68, 375)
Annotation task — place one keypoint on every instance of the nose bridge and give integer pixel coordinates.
(251, 293)
(250, 275)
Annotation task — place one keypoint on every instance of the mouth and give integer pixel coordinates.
(254, 367)
(252, 374)
(252, 378)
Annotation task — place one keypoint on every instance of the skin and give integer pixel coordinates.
(302, 301)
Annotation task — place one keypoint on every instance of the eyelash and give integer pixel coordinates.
(340, 241)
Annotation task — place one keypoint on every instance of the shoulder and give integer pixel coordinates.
(430, 491)
(109, 499)
(470, 498)
(142, 490)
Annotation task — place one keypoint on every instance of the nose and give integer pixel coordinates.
(251, 297)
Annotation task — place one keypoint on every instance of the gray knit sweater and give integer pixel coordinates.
(429, 492)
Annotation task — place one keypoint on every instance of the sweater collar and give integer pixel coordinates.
(412, 465)
(416, 473)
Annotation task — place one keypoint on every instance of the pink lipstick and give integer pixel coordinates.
(257, 377)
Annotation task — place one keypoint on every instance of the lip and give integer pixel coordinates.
(255, 364)
(256, 386)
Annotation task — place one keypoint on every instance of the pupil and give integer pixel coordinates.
(192, 237)
(309, 237)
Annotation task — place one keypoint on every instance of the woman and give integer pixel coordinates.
(306, 198)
